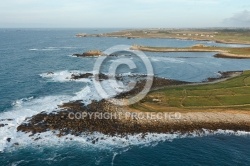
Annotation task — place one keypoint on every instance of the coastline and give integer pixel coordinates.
(159, 37)
(233, 56)
(175, 119)
(222, 52)
(213, 35)
(137, 122)
(135, 119)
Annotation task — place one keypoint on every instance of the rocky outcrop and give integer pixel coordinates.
(231, 56)
(2, 125)
(90, 53)
(81, 35)
(100, 76)
(223, 75)
(189, 122)
(60, 121)
(66, 122)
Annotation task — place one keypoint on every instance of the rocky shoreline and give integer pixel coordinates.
(90, 53)
(189, 121)
(95, 53)
(223, 76)
(231, 56)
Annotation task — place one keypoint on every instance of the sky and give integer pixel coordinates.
(124, 13)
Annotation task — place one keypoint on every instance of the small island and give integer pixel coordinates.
(90, 53)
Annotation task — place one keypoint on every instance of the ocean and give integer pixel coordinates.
(26, 88)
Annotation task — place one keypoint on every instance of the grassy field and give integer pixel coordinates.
(219, 35)
(232, 94)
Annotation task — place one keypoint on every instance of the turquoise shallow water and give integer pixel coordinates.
(27, 53)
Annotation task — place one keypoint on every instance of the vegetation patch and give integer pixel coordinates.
(232, 93)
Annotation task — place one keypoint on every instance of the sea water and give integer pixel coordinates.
(26, 88)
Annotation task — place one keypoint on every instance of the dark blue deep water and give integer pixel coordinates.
(26, 55)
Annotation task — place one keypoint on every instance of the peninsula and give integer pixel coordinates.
(219, 35)
(222, 52)
(216, 105)
(220, 103)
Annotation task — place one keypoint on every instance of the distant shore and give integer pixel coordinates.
(227, 36)
(219, 103)
(223, 52)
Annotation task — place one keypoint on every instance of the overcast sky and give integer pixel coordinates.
(124, 13)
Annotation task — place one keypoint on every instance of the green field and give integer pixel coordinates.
(231, 94)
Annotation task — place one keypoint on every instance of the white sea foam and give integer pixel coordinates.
(99, 140)
(20, 111)
(28, 107)
(44, 49)
(154, 59)
(69, 47)
(64, 76)
(51, 48)
(165, 59)
(18, 103)
(87, 94)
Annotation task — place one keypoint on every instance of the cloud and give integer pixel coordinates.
(239, 19)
